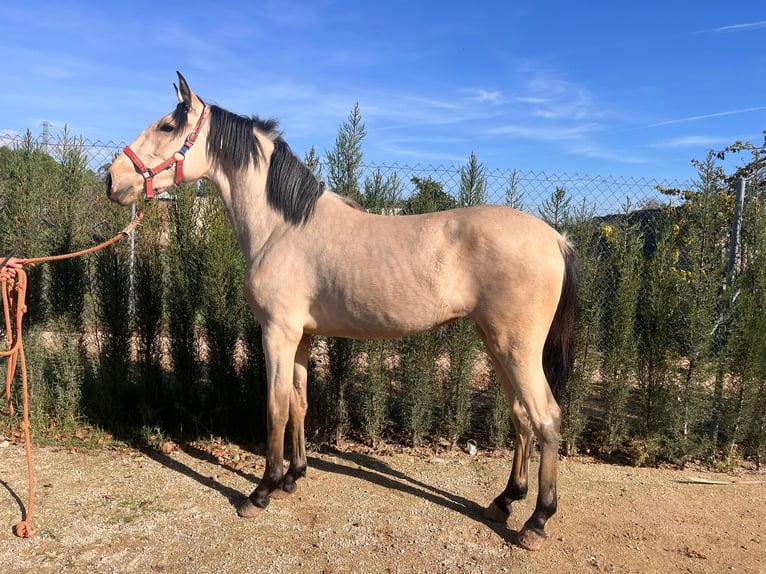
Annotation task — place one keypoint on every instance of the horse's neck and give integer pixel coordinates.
(257, 224)
(252, 219)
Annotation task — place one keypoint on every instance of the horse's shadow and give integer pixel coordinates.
(377, 472)
(233, 496)
(363, 467)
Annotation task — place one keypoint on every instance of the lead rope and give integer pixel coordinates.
(14, 291)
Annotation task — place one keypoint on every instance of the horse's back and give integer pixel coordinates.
(366, 275)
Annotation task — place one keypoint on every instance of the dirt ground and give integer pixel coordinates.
(120, 510)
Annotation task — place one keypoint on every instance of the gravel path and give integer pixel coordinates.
(125, 511)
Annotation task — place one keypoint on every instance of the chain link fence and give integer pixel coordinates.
(527, 190)
(523, 189)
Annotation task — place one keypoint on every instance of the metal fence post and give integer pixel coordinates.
(736, 231)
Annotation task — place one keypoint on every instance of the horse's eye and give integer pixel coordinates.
(166, 127)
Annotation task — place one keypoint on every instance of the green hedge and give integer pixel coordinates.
(155, 337)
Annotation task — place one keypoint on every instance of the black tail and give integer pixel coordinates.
(558, 353)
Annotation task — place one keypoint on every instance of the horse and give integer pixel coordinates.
(319, 265)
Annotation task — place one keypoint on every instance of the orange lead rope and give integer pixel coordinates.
(14, 306)
(14, 291)
(124, 233)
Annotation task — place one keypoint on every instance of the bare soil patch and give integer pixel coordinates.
(120, 510)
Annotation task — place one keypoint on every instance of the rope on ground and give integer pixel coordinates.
(14, 290)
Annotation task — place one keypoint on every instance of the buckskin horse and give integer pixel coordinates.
(319, 265)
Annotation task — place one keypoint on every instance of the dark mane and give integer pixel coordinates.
(291, 188)
(231, 142)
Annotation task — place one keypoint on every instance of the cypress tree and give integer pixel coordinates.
(586, 236)
(343, 164)
(184, 267)
(149, 286)
(223, 306)
(619, 355)
(461, 338)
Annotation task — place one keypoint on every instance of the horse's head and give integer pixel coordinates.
(162, 155)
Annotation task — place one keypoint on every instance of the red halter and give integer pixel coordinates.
(176, 159)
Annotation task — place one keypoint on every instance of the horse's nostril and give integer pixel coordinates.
(108, 184)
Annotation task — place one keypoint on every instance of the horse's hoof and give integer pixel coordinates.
(279, 494)
(530, 540)
(496, 514)
(248, 510)
(285, 491)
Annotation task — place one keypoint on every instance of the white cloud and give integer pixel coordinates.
(609, 154)
(421, 154)
(693, 141)
(742, 27)
(707, 116)
(544, 132)
(532, 100)
(552, 97)
(483, 96)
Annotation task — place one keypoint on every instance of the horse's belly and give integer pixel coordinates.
(378, 319)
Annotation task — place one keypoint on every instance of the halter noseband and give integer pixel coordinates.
(176, 159)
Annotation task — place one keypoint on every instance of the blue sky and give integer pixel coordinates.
(599, 87)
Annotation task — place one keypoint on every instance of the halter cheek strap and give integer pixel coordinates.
(177, 159)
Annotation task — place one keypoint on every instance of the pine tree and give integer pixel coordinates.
(345, 159)
(313, 162)
(65, 216)
(429, 196)
(513, 197)
(555, 209)
(473, 183)
(381, 195)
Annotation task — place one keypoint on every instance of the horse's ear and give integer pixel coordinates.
(183, 92)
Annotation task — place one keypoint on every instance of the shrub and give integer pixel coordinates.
(417, 366)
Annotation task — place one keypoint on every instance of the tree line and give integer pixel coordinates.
(155, 338)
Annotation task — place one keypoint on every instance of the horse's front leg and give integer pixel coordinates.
(298, 407)
(280, 349)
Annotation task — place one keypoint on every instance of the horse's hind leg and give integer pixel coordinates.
(500, 508)
(545, 418)
(298, 407)
(533, 407)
